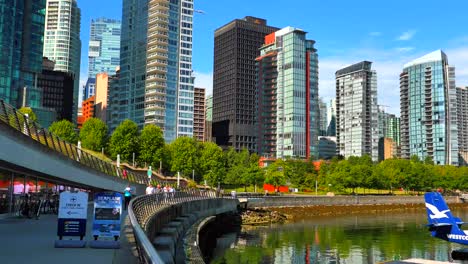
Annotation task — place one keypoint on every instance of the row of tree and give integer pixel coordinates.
(207, 161)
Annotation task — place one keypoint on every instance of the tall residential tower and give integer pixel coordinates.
(429, 109)
(236, 46)
(62, 42)
(156, 65)
(357, 111)
(287, 95)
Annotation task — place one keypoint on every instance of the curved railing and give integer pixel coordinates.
(142, 209)
(11, 117)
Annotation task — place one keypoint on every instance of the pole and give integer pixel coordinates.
(193, 175)
(118, 160)
(133, 159)
(315, 187)
(160, 166)
(178, 179)
(102, 151)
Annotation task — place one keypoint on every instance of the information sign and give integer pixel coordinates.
(107, 214)
(72, 214)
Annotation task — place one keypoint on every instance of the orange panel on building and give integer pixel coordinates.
(270, 38)
(88, 108)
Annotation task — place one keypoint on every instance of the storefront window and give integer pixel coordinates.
(5, 191)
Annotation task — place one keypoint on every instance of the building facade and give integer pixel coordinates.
(21, 44)
(104, 50)
(357, 111)
(287, 95)
(113, 101)
(326, 147)
(57, 91)
(101, 97)
(236, 46)
(429, 109)
(156, 77)
(209, 119)
(331, 118)
(62, 42)
(462, 117)
(199, 114)
(323, 124)
(87, 109)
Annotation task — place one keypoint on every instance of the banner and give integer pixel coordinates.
(107, 214)
(72, 214)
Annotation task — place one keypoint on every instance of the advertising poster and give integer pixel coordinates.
(107, 214)
(72, 214)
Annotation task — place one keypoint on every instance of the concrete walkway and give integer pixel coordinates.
(32, 241)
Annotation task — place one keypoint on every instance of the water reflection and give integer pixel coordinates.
(352, 239)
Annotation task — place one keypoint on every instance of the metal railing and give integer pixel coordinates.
(11, 117)
(142, 210)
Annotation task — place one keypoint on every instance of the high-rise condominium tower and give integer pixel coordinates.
(287, 95)
(104, 51)
(236, 46)
(62, 42)
(156, 65)
(429, 109)
(357, 111)
(323, 124)
(199, 114)
(462, 117)
(331, 118)
(21, 34)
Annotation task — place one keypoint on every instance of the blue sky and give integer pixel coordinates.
(388, 33)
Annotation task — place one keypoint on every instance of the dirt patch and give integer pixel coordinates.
(264, 217)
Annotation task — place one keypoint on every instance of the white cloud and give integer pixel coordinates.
(204, 80)
(458, 57)
(375, 34)
(405, 49)
(407, 35)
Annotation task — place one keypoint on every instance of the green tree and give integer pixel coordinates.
(274, 173)
(65, 130)
(124, 140)
(151, 144)
(93, 134)
(28, 111)
(184, 155)
(212, 163)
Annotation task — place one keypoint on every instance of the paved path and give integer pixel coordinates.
(32, 241)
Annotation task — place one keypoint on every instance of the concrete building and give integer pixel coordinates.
(57, 91)
(429, 109)
(87, 109)
(199, 114)
(101, 97)
(113, 101)
(21, 44)
(287, 95)
(209, 119)
(62, 42)
(156, 66)
(103, 52)
(357, 111)
(462, 117)
(236, 46)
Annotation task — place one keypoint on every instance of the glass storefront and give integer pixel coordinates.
(16, 189)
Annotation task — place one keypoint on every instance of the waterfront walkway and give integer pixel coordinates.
(32, 241)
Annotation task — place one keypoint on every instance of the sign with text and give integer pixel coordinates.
(107, 214)
(72, 214)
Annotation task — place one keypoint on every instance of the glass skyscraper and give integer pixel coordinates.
(62, 42)
(156, 65)
(357, 128)
(287, 90)
(104, 51)
(21, 43)
(429, 109)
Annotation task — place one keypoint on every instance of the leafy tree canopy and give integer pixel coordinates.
(124, 140)
(151, 143)
(65, 130)
(93, 134)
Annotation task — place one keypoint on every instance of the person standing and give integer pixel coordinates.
(149, 189)
(127, 195)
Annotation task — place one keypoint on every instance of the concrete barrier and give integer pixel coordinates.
(279, 201)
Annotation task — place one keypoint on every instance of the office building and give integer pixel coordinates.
(21, 43)
(357, 111)
(156, 65)
(331, 118)
(199, 114)
(87, 109)
(104, 50)
(101, 97)
(113, 101)
(236, 46)
(429, 109)
(62, 42)
(287, 95)
(326, 147)
(323, 126)
(57, 91)
(462, 117)
(209, 119)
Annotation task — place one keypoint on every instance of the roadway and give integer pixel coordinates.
(32, 241)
